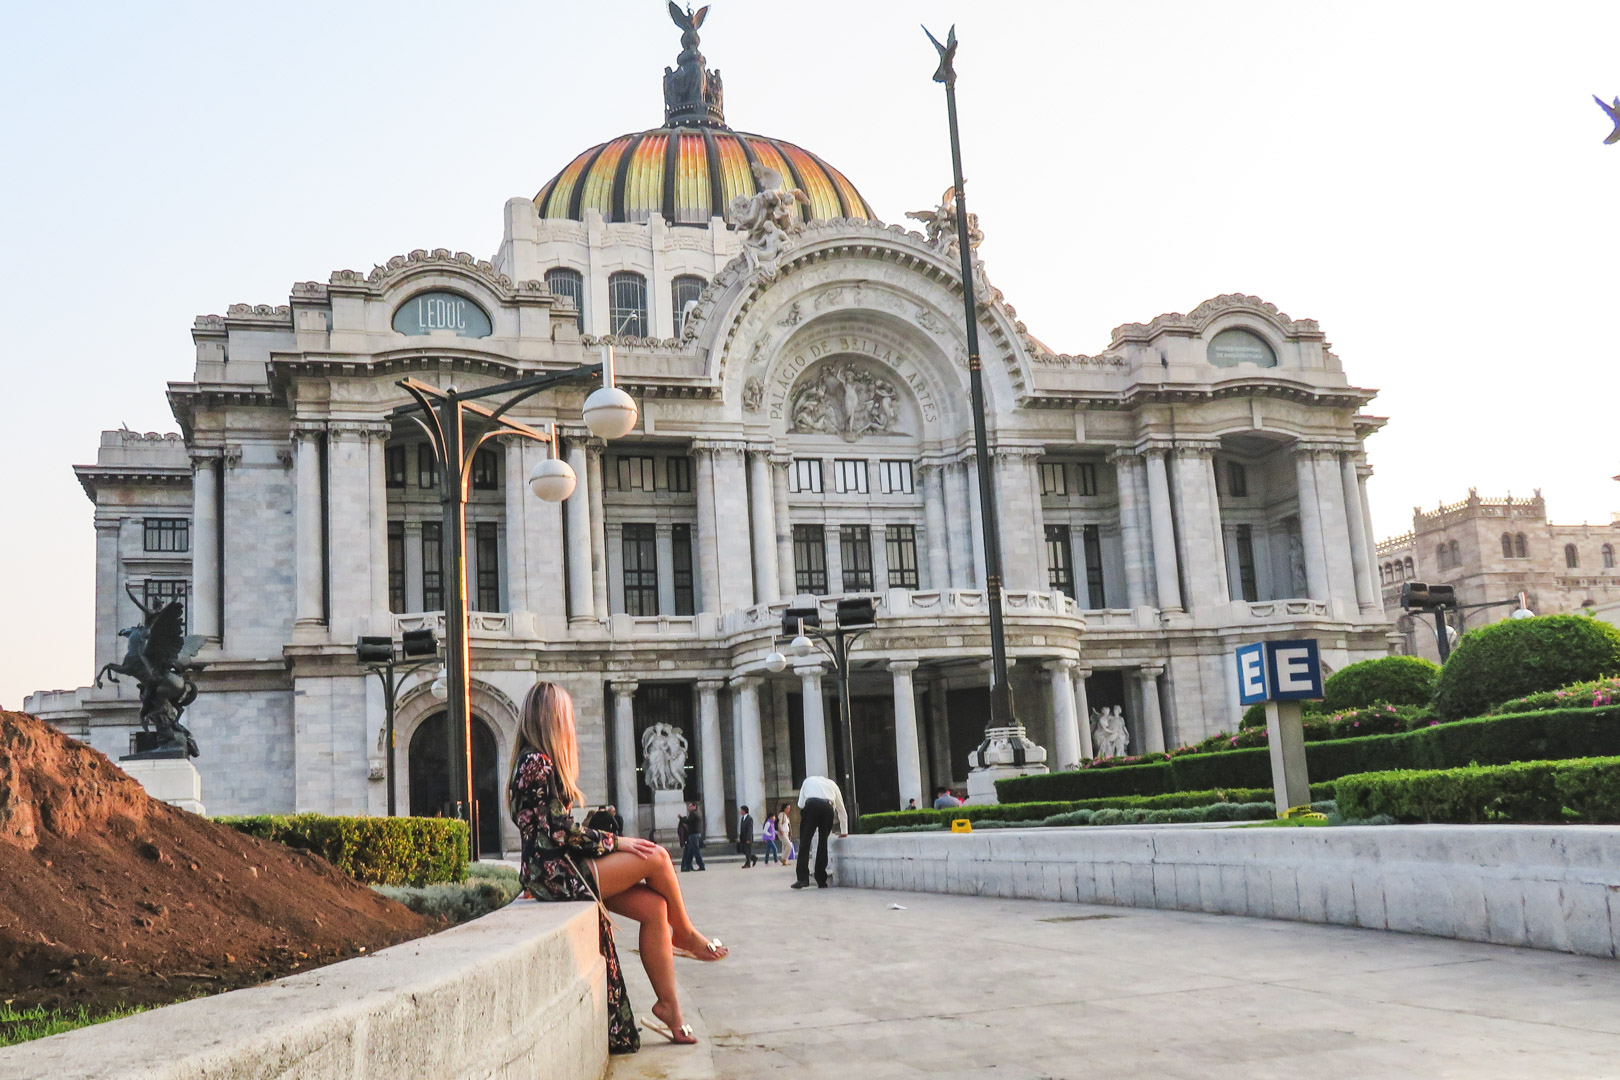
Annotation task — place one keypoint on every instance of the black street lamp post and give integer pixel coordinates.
(444, 415)
(377, 654)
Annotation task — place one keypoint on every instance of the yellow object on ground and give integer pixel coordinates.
(961, 824)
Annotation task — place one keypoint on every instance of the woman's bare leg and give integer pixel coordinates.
(648, 908)
(622, 870)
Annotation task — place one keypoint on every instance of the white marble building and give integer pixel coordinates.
(805, 434)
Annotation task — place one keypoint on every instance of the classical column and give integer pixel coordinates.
(109, 592)
(581, 595)
(1023, 553)
(907, 761)
(1164, 532)
(1310, 526)
(1335, 524)
(938, 538)
(1082, 711)
(534, 537)
(1065, 724)
(787, 583)
(730, 529)
(761, 497)
(815, 723)
(1363, 474)
(714, 772)
(1152, 720)
(958, 522)
(376, 443)
(205, 537)
(517, 486)
(413, 566)
(309, 562)
(599, 578)
(1360, 547)
(708, 547)
(1217, 532)
(1134, 551)
(749, 747)
(976, 520)
(624, 752)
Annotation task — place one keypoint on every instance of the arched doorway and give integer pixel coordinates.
(430, 778)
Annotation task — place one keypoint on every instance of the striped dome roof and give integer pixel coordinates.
(689, 175)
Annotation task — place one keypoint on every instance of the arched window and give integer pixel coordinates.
(1456, 553)
(684, 290)
(1572, 557)
(627, 304)
(570, 283)
(1442, 556)
(1230, 348)
(1507, 546)
(1521, 549)
(1608, 556)
(1410, 572)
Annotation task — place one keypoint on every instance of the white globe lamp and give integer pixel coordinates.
(552, 480)
(609, 412)
(441, 686)
(1524, 613)
(775, 661)
(801, 646)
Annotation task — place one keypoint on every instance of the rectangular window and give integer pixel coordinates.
(900, 551)
(486, 536)
(1054, 479)
(167, 534)
(896, 477)
(1059, 560)
(1085, 477)
(396, 566)
(1237, 480)
(640, 549)
(635, 473)
(850, 475)
(486, 471)
(678, 473)
(810, 559)
(1245, 559)
(855, 550)
(160, 592)
(1091, 539)
(680, 542)
(432, 566)
(427, 468)
(394, 461)
(805, 476)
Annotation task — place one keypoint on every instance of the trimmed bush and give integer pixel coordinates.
(375, 850)
(1388, 680)
(1584, 695)
(1583, 789)
(1253, 717)
(908, 819)
(1516, 657)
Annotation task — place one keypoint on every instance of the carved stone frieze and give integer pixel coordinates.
(844, 399)
(753, 395)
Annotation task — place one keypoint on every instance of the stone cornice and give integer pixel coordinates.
(1196, 321)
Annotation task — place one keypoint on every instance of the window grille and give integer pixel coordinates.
(432, 566)
(167, 534)
(640, 549)
(900, 552)
(395, 463)
(1054, 478)
(1091, 540)
(427, 468)
(855, 551)
(678, 474)
(396, 566)
(1507, 546)
(685, 289)
(680, 540)
(160, 592)
(486, 471)
(1237, 480)
(627, 304)
(635, 473)
(1521, 549)
(1572, 557)
(1248, 587)
(896, 477)
(488, 552)
(570, 283)
(1085, 478)
(1607, 551)
(810, 559)
(850, 475)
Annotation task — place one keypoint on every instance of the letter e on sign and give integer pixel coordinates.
(1295, 670)
(1251, 663)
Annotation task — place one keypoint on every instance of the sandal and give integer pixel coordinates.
(684, 1033)
(715, 950)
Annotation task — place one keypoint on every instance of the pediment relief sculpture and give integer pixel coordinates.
(847, 400)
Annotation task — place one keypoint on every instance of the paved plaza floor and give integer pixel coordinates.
(836, 983)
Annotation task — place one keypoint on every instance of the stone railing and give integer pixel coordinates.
(484, 624)
(1298, 607)
(521, 992)
(1110, 618)
(1396, 543)
(909, 603)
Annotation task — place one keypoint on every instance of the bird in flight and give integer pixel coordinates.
(1614, 114)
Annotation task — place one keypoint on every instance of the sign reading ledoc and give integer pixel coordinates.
(430, 312)
(1279, 671)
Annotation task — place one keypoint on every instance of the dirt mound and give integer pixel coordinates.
(110, 897)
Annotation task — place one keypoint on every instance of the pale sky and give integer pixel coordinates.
(1427, 180)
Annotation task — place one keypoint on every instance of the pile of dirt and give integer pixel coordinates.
(109, 897)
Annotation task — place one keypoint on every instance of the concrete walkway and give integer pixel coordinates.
(834, 983)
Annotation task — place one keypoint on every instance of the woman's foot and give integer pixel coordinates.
(671, 1026)
(697, 947)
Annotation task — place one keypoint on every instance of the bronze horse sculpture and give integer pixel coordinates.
(157, 657)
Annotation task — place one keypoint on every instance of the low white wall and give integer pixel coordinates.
(517, 995)
(1546, 887)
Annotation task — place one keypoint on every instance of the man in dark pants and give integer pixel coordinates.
(745, 838)
(820, 802)
(692, 842)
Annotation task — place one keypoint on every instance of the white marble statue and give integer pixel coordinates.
(767, 219)
(1109, 735)
(663, 753)
(845, 400)
(939, 224)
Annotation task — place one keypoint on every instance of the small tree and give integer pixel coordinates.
(1523, 656)
(1388, 680)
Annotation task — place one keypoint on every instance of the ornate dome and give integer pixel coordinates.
(690, 169)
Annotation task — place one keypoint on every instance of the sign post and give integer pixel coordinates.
(1282, 674)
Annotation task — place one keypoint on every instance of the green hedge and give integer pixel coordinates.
(1492, 740)
(1041, 810)
(1524, 656)
(375, 850)
(1583, 789)
(1582, 695)
(1387, 680)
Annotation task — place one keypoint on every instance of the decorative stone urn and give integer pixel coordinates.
(1006, 751)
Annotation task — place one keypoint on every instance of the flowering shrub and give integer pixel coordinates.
(1585, 695)
(1520, 657)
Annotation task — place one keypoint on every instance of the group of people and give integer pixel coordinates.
(944, 799)
(564, 859)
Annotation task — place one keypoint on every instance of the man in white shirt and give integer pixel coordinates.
(820, 802)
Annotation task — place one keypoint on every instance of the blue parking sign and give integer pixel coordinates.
(1279, 671)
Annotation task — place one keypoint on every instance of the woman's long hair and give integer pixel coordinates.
(546, 724)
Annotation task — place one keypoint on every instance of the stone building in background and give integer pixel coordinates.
(1492, 550)
(805, 435)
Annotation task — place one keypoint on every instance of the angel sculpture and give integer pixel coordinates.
(157, 656)
(1613, 112)
(663, 749)
(767, 219)
(939, 224)
(1109, 735)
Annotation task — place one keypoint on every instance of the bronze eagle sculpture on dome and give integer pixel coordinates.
(158, 655)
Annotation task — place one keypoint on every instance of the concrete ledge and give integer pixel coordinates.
(516, 995)
(1551, 887)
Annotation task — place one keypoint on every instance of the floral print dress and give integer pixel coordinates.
(554, 844)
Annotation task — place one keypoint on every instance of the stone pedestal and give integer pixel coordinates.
(668, 809)
(998, 758)
(175, 781)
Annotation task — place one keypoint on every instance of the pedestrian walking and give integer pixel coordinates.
(563, 860)
(820, 802)
(690, 832)
(768, 834)
(745, 838)
(784, 832)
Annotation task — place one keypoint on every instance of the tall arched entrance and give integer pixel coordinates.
(430, 778)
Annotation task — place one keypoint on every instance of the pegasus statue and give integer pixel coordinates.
(157, 657)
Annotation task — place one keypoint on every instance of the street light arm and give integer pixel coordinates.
(530, 385)
(434, 429)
